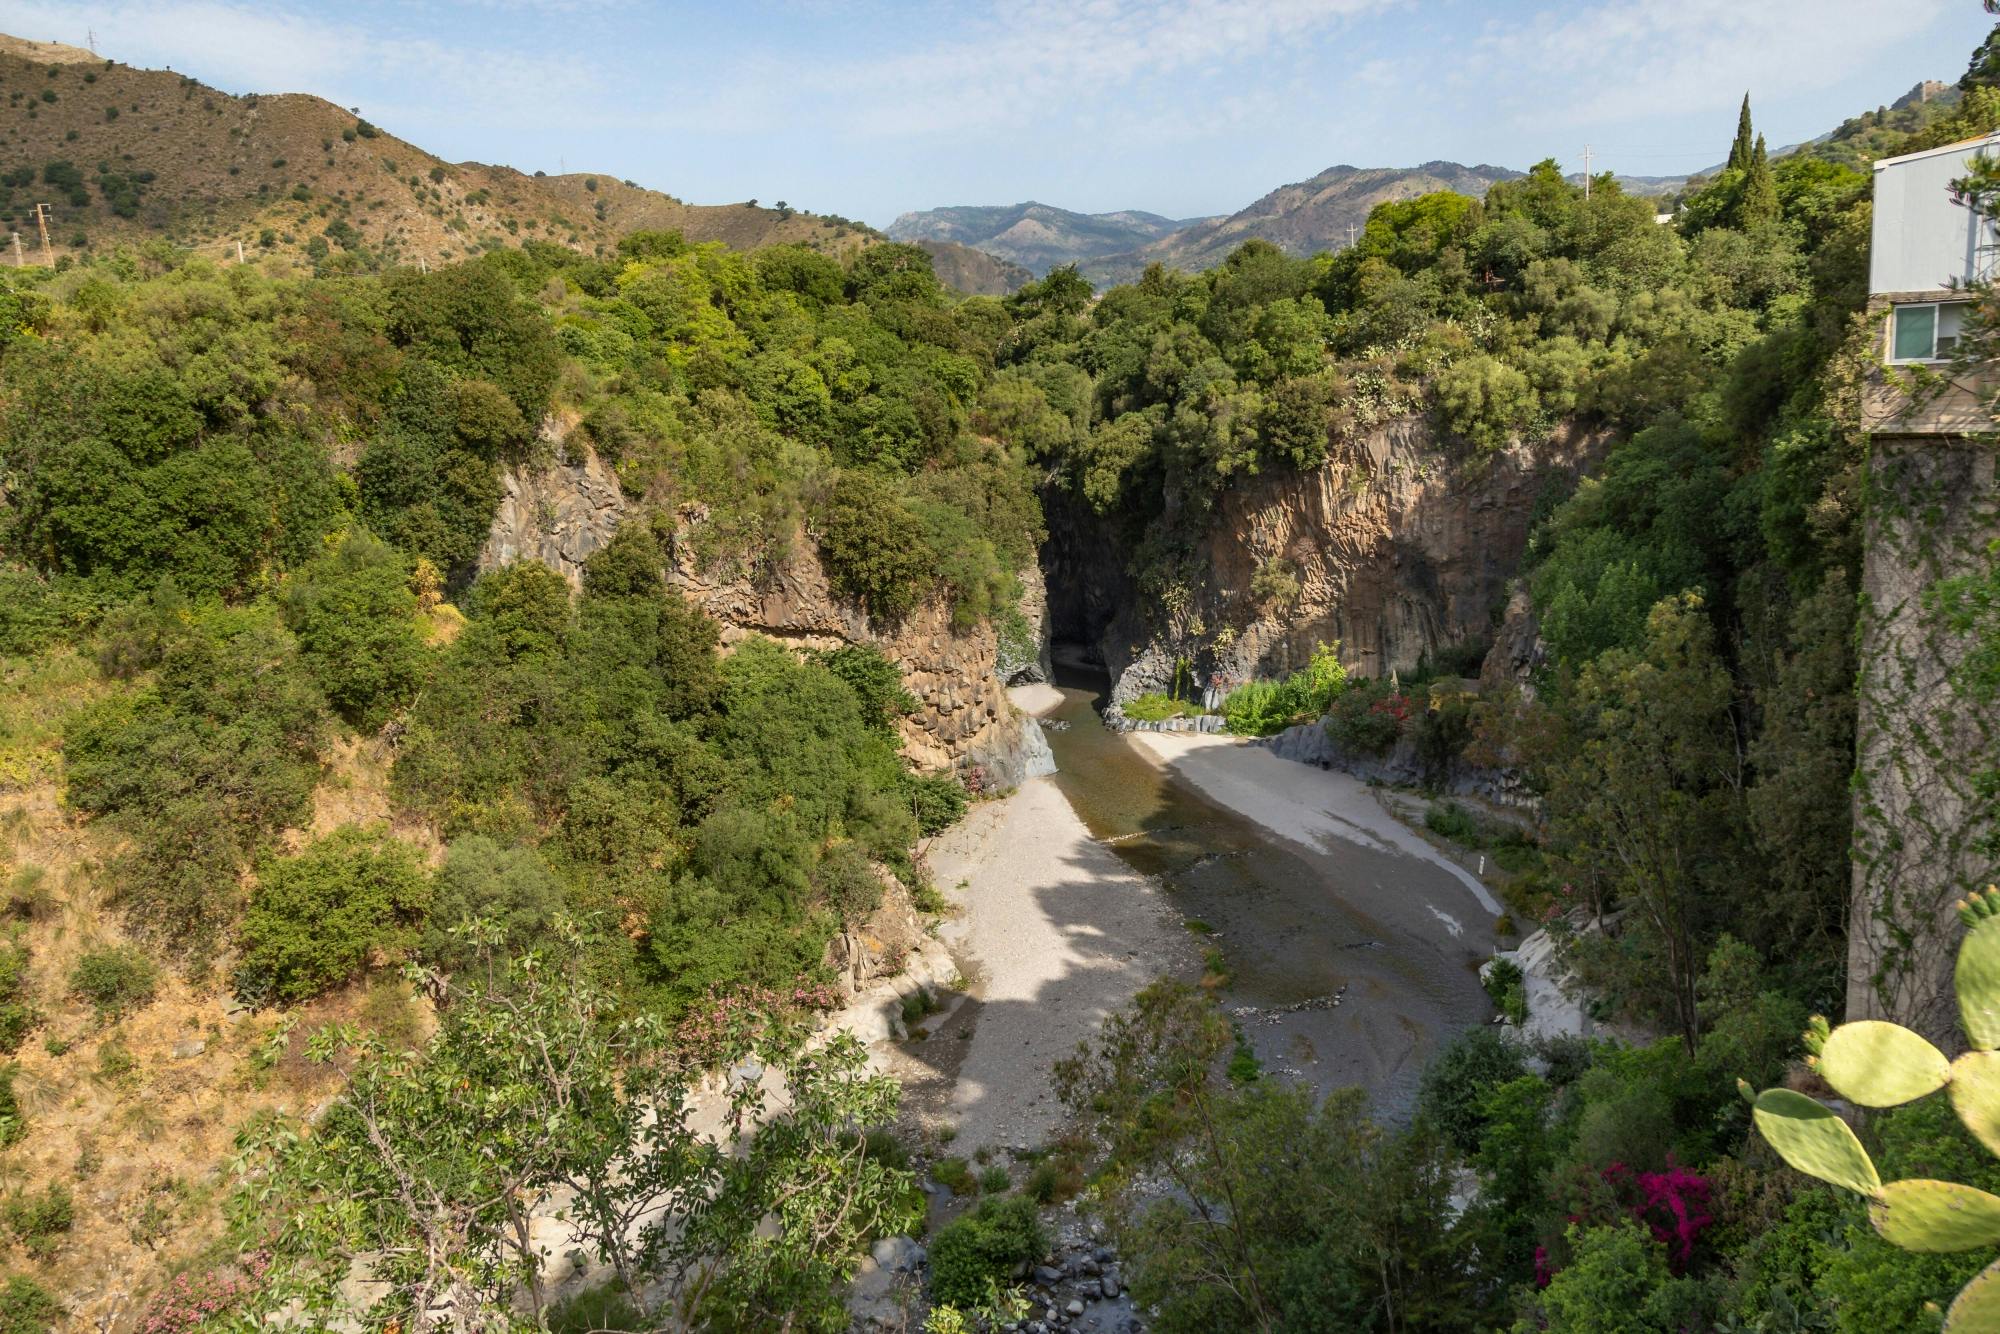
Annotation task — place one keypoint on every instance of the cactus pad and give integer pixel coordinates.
(1815, 1141)
(1977, 1308)
(1975, 1095)
(1880, 1064)
(1978, 975)
(1935, 1215)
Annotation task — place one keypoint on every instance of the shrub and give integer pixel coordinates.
(1451, 820)
(984, 1245)
(1153, 707)
(994, 1180)
(871, 547)
(846, 884)
(40, 1220)
(1458, 1079)
(26, 1307)
(13, 1121)
(1508, 989)
(17, 1010)
(116, 979)
(1368, 719)
(1275, 585)
(1252, 709)
(937, 800)
(321, 918)
(355, 618)
(1259, 708)
(200, 767)
(954, 1174)
(509, 888)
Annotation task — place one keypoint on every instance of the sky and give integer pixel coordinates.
(869, 109)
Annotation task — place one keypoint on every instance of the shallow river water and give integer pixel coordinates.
(1299, 928)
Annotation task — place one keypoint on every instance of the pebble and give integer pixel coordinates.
(189, 1047)
(1075, 1307)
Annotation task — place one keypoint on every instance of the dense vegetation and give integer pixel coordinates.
(256, 503)
(1691, 737)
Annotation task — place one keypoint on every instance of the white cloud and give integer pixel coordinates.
(1118, 63)
(1632, 62)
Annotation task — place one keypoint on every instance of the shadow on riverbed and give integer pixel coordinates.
(1341, 971)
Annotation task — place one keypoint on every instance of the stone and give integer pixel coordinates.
(187, 1048)
(898, 1255)
(1044, 1274)
(1075, 1307)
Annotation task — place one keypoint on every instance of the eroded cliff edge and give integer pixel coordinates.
(561, 511)
(1401, 546)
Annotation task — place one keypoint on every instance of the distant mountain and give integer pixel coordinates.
(123, 154)
(1038, 237)
(1302, 219)
(975, 272)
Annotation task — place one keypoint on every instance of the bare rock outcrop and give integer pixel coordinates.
(1398, 546)
(963, 719)
(557, 513)
(561, 512)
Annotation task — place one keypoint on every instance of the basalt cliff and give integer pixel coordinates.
(561, 511)
(1401, 547)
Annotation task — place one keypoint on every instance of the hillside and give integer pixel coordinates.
(123, 154)
(1038, 236)
(975, 272)
(1302, 219)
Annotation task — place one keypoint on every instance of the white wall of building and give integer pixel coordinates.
(1922, 240)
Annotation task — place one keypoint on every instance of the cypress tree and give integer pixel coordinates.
(1760, 189)
(1739, 152)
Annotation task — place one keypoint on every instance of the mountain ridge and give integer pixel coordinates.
(124, 154)
(1034, 235)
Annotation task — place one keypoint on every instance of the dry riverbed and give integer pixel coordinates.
(1350, 940)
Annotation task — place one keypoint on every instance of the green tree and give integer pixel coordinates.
(1743, 146)
(355, 618)
(429, 1161)
(872, 548)
(1646, 795)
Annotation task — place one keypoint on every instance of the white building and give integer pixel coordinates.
(1927, 247)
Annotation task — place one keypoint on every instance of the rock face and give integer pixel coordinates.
(556, 514)
(560, 513)
(963, 719)
(1926, 828)
(1400, 548)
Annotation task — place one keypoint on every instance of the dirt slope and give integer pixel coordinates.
(155, 153)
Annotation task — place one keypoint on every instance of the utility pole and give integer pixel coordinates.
(18, 261)
(1350, 236)
(1586, 171)
(42, 220)
(239, 252)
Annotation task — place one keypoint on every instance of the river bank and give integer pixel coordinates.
(1350, 945)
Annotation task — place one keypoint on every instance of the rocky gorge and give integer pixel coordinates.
(1401, 547)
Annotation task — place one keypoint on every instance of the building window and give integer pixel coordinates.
(1927, 332)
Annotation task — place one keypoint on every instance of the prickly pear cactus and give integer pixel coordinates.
(1877, 1064)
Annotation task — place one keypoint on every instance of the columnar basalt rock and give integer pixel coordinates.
(963, 720)
(1401, 546)
(556, 513)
